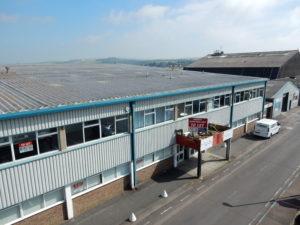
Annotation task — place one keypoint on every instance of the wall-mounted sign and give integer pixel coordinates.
(227, 134)
(198, 124)
(277, 104)
(26, 147)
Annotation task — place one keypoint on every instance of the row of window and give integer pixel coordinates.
(35, 143)
(244, 120)
(31, 206)
(249, 94)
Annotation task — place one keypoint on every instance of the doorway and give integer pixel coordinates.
(285, 100)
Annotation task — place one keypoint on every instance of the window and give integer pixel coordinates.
(123, 170)
(122, 124)
(159, 155)
(140, 163)
(188, 108)
(5, 150)
(196, 106)
(148, 159)
(168, 151)
(237, 97)
(261, 92)
(160, 114)
(139, 119)
(222, 100)
(74, 134)
(216, 102)
(78, 186)
(228, 99)
(247, 95)
(242, 96)
(109, 175)
(149, 117)
(181, 110)
(10, 214)
(32, 205)
(94, 180)
(203, 105)
(48, 140)
(253, 93)
(24, 145)
(108, 126)
(53, 197)
(91, 130)
(169, 112)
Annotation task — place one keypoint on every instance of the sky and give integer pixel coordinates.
(55, 30)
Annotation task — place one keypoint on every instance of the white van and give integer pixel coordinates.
(266, 128)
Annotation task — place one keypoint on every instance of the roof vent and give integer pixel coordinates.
(217, 53)
(7, 69)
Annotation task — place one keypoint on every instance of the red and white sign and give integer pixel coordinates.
(26, 147)
(206, 143)
(198, 124)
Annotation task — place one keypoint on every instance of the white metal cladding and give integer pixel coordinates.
(170, 100)
(28, 124)
(37, 177)
(249, 86)
(244, 109)
(153, 139)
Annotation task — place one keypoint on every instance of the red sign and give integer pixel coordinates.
(26, 147)
(198, 124)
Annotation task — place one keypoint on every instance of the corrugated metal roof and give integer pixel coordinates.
(274, 86)
(246, 60)
(36, 86)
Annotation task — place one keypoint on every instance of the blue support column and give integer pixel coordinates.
(133, 145)
(264, 100)
(232, 105)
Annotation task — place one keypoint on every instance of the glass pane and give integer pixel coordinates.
(32, 205)
(4, 140)
(148, 159)
(92, 133)
(140, 163)
(78, 187)
(48, 131)
(222, 100)
(217, 102)
(167, 151)
(9, 215)
(181, 110)
(24, 145)
(188, 109)
(48, 143)
(108, 126)
(169, 113)
(122, 126)
(53, 197)
(159, 155)
(109, 175)
(94, 180)
(139, 119)
(123, 169)
(202, 106)
(160, 114)
(74, 134)
(122, 117)
(195, 106)
(227, 99)
(149, 119)
(5, 154)
(91, 122)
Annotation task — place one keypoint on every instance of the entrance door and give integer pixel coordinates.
(285, 100)
(180, 154)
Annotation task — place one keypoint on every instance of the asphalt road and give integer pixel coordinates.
(243, 192)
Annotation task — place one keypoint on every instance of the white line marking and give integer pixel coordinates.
(286, 181)
(184, 198)
(166, 210)
(290, 183)
(201, 187)
(236, 163)
(224, 171)
(294, 172)
(262, 218)
(214, 178)
(274, 203)
(278, 191)
(266, 204)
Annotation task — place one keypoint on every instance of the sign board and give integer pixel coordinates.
(198, 124)
(277, 104)
(188, 142)
(26, 147)
(206, 143)
(227, 134)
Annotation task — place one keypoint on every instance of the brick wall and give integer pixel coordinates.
(100, 195)
(53, 216)
(154, 170)
(250, 126)
(238, 132)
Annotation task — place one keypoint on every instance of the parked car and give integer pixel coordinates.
(266, 128)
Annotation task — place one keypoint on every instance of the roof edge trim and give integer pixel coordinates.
(36, 112)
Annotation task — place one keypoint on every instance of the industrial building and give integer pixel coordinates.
(284, 96)
(271, 65)
(74, 136)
